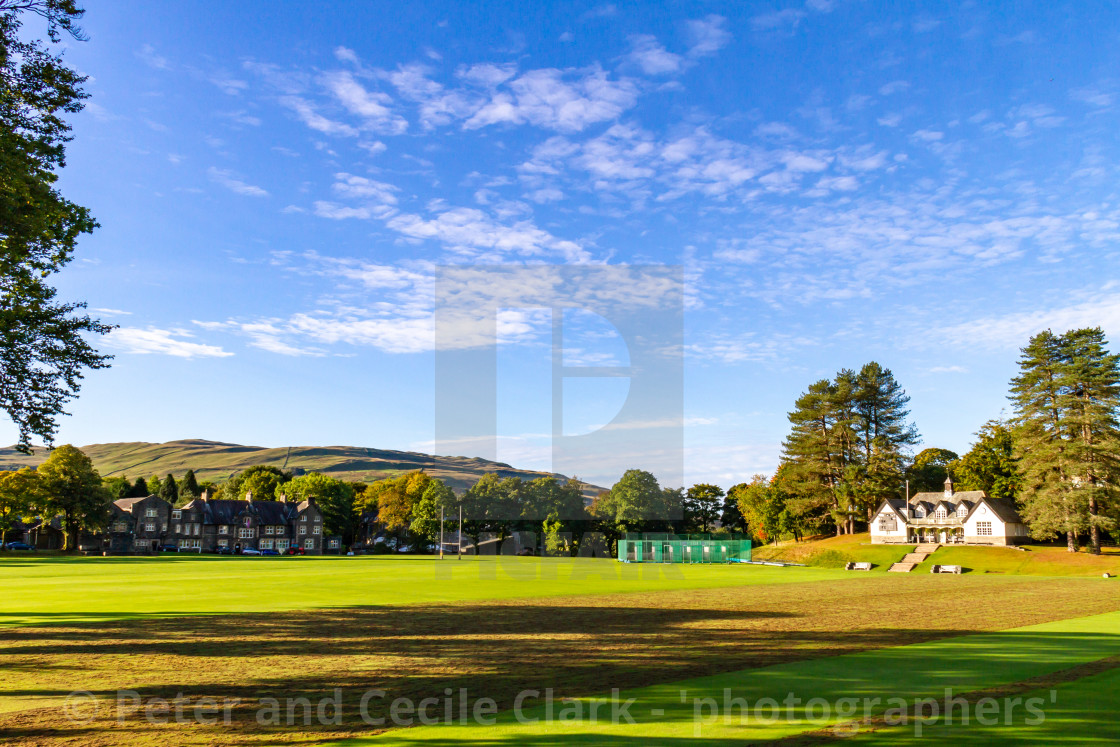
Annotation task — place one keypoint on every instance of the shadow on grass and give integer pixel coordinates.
(579, 646)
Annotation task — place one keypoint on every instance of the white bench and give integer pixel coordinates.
(857, 567)
(946, 569)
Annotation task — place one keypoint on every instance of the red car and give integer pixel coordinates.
(294, 551)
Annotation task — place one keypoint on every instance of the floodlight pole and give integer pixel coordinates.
(441, 532)
(459, 544)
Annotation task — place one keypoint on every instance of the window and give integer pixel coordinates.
(318, 519)
(197, 529)
(150, 512)
(223, 529)
(175, 528)
(120, 526)
(150, 526)
(318, 530)
(266, 544)
(919, 513)
(887, 523)
(176, 514)
(281, 545)
(223, 543)
(244, 533)
(984, 528)
(962, 511)
(279, 530)
(303, 530)
(303, 518)
(309, 544)
(939, 513)
(269, 530)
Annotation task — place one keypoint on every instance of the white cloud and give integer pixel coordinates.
(316, 121)
(1098, 308)
(707, 35)
(895, 86)
(651, 57)
(567, 101)
(153, 341)
(779, 20)
(147, 54)
(233, 183)
(371, 106)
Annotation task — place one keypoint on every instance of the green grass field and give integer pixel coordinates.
(418, 628)
(1034, 560)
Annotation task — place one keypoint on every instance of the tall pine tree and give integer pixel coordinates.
(1066, 399)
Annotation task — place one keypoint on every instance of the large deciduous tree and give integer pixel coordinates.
(71, 489)
(334, 497)
(44, 350)
(990, 464)
(702, 504)
(20, 491)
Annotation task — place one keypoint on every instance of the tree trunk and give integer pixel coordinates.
(1071, 541)
(1094, 530)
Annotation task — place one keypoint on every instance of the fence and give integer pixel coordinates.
(693, 548)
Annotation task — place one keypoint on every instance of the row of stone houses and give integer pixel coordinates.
(141, 525)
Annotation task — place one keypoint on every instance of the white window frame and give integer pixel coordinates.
(282, 545)
(150, 526)
(302, 530)
(223, 529)
(984, 529)
(150, 513)
(177, 514)
(309, 544)
(269, 530)
(264, 544)
(245, 533)
(318, 530)
(223, 543)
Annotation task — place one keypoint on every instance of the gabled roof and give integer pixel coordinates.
(272, 512)
(126, 504)
(897, 505)
(1002, 508)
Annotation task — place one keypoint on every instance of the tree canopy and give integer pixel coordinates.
(44, 347)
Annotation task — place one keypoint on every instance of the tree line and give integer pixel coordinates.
(1057, 458)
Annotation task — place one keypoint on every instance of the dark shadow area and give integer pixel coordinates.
(578, 645)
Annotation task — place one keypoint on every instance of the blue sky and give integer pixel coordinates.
(841, 181)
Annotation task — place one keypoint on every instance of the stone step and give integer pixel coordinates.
(915, 557)
(902, 567)
(927, 549)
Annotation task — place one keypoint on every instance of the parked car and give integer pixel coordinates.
(294, 551)
(191, 549)
(269, 552)
(168, 548)
(251, 551)
(18, 546)
(221, 551)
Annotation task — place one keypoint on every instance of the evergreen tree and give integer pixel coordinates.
(189, 489)
(139, 489)
(169, 491)
(154, 485)
(929, 469)
(1090, 402)
(813, 456)
(1042, 395)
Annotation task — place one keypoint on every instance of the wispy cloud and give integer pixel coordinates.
(154, 341)
(233, 183)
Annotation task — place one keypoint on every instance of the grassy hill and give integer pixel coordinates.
(1032, 560)
(216, 461)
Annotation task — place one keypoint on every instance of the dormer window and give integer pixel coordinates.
(962, 511)
(919, 513)
(939, 513)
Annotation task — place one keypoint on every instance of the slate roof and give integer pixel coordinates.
(126, 504)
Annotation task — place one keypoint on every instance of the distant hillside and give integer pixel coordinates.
(216, 461)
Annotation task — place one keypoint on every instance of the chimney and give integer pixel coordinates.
(205, 495)
(248, 496)
(948, 487)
